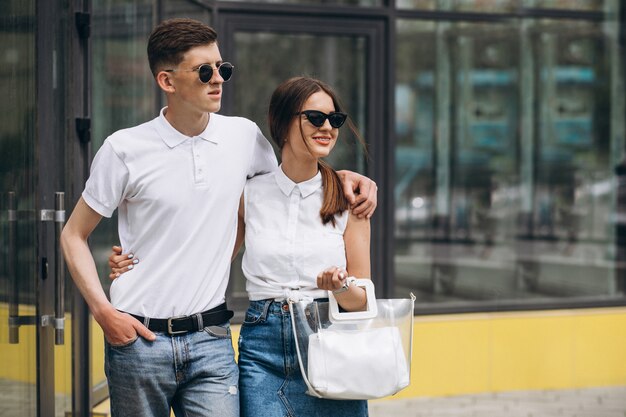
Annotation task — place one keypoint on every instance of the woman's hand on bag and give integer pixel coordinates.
(120, 262)
(331, 279)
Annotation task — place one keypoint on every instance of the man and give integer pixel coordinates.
(176, 180)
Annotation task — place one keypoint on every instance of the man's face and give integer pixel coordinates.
(189, 90)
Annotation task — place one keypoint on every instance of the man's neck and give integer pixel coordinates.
(187, 123)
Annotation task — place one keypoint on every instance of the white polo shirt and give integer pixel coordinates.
(177, 198)
(286, 243)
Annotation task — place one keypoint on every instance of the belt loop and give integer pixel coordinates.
(266, 309)
(200, 321)
(146, 322)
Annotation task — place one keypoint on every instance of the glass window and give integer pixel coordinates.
(490, 6)
(186, 8)
(507, 137)
(589, 5)
(365, 3)
(123, 95)
(338, 60)
(505, 6)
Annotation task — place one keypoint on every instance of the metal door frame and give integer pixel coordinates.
(378, 98)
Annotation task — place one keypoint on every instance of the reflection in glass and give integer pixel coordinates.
(18, 367)
(594, 5)
(338, 61)
(505, 6)
(504, 165)
(325, 2)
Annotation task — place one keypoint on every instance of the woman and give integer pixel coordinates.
(301, 241)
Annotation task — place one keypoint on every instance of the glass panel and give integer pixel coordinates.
(499, 6)
(574, 190)
(594, 5)
(366, 3)
(505, 6)
(123, 95)
(18, 350)
(507, 139)
(415, 151)
(343, 68)
(186, 8)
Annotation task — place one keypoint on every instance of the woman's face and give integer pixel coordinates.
(313, 142)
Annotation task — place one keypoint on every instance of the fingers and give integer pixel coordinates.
(143, 331)
(120, 263)
(331, 279)
(367, 199)
(120, 328)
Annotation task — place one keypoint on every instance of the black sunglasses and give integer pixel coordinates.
(317, 118)
(205, 71)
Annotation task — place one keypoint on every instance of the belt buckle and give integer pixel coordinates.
(169, 326)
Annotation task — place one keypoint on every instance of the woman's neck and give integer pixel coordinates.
(297, 170)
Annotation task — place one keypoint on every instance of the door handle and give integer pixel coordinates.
(59, 275)
(58, 320)
(14, 327)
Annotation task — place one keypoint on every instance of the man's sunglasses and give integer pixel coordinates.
(205, 71)
(317, 118)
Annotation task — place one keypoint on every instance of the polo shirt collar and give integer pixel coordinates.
(173, 137)
(306, 188)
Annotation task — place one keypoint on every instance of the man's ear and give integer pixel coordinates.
(164, 81)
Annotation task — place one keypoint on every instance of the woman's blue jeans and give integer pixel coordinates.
(270, 380)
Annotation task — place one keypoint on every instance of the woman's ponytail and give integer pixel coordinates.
(335, 201)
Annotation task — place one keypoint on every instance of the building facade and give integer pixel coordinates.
(495, 131)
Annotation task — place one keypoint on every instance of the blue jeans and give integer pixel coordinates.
(270, 380)
(195, 374)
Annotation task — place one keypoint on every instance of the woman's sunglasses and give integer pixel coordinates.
(205, 71)
(317, 118)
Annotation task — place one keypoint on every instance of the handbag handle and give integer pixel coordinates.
(371, 311)
(302, 368)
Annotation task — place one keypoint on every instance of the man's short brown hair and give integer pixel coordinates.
(171, 38)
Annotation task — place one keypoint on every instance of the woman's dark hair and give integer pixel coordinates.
(171, 39)
(287, 100)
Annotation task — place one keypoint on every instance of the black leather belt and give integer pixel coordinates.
(186, 324)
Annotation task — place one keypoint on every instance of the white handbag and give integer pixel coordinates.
(354, 355)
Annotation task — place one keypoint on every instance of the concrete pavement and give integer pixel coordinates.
(588, 402)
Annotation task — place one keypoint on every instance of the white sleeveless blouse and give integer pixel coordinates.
(286, 243)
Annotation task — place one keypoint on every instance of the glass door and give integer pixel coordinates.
(267, 50)
(18, 345)
(35, 358)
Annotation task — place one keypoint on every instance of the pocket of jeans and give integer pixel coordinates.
(124, 345)
(219, 332)
(253, 317)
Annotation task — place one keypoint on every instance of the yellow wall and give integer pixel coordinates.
(452, 354)
(472, 353)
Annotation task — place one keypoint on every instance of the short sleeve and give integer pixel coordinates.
(263, 158)
(107, 181)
